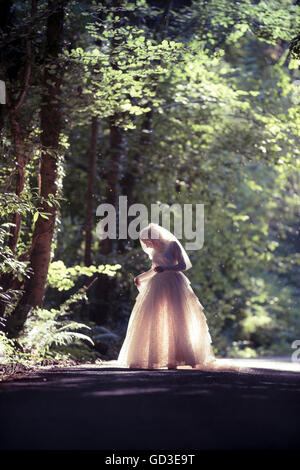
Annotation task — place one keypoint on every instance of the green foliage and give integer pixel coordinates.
(63, 278)
(47, 332)
(7, 350)
(119, 81)
(226, 133)
(9, 264)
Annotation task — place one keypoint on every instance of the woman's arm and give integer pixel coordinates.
(143, 276)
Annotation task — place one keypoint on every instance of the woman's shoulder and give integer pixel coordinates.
(173, 246)
(171, 250)
(162, 252)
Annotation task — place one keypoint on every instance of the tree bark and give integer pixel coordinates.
(112, 177)
(90, 195)
(19, 148)
(18, 133)
(51, 124)
(134, 169)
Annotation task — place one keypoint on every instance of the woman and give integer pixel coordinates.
(167, 326)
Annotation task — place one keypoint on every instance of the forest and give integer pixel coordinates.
(164, 102)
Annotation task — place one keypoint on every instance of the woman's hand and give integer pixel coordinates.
(137, 282)
(158, 269)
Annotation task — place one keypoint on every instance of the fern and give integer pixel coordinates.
(45, 329)
(70, 337)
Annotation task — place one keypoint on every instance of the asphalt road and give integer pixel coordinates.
(109, 408)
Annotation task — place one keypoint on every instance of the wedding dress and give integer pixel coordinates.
(167, 326)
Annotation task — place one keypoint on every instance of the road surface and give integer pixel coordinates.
(109, 408)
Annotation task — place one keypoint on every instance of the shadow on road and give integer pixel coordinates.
(111, 408)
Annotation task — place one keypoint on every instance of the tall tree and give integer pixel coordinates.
(16, 70)
(19, 139)
(90, 192)
(51, 125)
(112, 176)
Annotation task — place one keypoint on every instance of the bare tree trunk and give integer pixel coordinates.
(133, 170)
(18, 133)
(19, 148)
(90, 195)
(14, 104)
(112, 177)
(51, 127)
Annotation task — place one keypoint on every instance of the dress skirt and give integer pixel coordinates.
(167, 326)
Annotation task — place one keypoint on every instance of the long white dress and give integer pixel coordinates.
(167, 326)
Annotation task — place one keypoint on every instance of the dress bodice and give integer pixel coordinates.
(163, 257)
